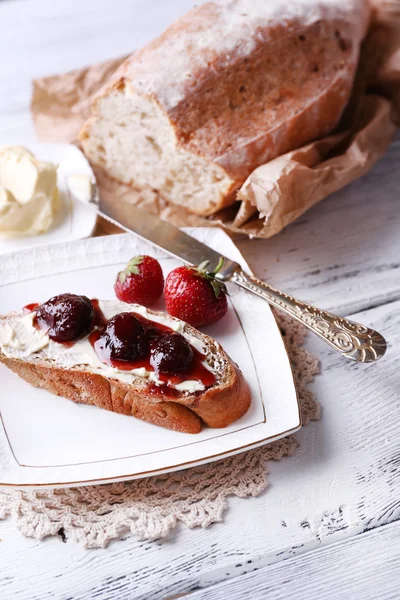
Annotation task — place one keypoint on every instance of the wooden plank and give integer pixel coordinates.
(343, 480)
(365, 567)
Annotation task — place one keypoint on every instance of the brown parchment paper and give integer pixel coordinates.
(276, 193)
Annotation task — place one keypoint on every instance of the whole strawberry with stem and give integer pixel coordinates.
(141, 282)
(195, 295)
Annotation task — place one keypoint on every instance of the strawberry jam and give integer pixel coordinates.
(176, 367)
(127, 341)
(163, 390)
(125, 338)
(171, 353)
(30, 308)
(99, 318)
(66, 317)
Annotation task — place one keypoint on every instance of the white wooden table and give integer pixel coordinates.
(329, 526)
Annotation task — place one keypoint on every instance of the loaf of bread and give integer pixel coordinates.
(49, 365)
(228, 87)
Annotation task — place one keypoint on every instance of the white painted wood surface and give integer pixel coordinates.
(366, 566)
(344, 479)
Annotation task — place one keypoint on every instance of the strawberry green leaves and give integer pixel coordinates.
(217, 285)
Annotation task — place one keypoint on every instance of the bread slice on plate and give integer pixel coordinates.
(75, 371)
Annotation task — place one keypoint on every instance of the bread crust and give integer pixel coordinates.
(239, 109)
(217, 406)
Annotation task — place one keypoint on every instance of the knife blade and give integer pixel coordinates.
(352, 340)
(160, 233)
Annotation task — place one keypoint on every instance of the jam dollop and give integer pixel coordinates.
(180, 360)
(30, 308)
(125, 337)
(172, 354)
(66, 317)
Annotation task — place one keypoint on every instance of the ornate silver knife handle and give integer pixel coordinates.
(352, 340)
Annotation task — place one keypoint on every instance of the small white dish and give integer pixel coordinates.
(50, 441)
(73, 220)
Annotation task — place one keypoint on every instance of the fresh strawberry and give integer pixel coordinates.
(194, 295)
(141, 282)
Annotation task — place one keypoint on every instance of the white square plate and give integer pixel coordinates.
(50, 441)
(73, 220)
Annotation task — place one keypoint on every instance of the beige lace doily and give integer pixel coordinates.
(152, 507)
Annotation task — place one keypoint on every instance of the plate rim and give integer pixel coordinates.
(155, 472)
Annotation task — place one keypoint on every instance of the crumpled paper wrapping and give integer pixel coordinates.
(278, 192)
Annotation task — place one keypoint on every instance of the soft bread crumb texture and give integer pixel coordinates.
(132, 137)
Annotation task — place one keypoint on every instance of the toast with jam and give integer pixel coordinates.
(127, 359)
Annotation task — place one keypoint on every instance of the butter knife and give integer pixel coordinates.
(353, 340)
